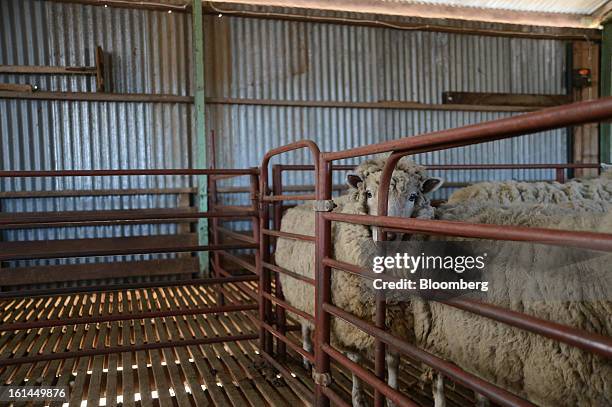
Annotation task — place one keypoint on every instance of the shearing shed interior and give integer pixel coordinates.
(305, 202)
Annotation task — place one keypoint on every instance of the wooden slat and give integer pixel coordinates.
(16, 87)
(92, 271)
(95, 379)
(211, 354)
(126, 358)
(161, 383)
(111, 376)
(96, 192)
(505, 99)
(40, 217)
(237, 374)
(40, 69)
(231, 364)
(177, 324)
(142, 358)
(183, 357)
(49, 248)
(168, 355)
(100, 96)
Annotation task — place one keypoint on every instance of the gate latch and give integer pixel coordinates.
(323, 379)
(327, 205)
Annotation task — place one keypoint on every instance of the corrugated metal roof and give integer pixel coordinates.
(547, 6)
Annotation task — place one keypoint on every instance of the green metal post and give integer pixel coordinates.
(200, 128)
(605, 136)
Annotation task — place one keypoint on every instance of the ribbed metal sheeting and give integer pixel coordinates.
(147, 52)
(298, 61)
(550, 6)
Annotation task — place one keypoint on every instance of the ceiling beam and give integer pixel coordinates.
(435, 11)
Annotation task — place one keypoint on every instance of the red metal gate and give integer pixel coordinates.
(324, 353)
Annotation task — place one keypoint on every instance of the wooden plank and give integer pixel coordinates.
(184, 201)
(49, 248)
(386, 104)
(77, 390)
(112, 372)
(95, 379)
(148, 98)
(505, 99)
(127, 375)
(185, 364)
(99, 97)
(240, 376)
(16, 87)
(142, 359)
(100, 84)
(50, 338)
(161, 383)
(49, 377)
(71, 272)
(201, 325)
(176, 326)
(96, 192)
(169, 359)
(41, 216)
(41, 69)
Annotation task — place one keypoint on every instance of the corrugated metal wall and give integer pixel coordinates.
(272, 59)
(247, 58)
(147, 52)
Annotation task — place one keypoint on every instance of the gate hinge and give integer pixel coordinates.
(323, 379)
(327, 205)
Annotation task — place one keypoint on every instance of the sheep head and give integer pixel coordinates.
(409, 189)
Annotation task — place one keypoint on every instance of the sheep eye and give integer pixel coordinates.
(412, 197)
(368, 194)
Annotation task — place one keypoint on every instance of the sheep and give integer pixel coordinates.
(508, 192)
(408, 196)
(532, 366)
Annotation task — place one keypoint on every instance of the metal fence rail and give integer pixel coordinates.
(574, 114)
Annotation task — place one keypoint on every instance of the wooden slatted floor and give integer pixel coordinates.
(222, 374)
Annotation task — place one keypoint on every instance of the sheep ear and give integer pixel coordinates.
(431, 184)
(353, 179)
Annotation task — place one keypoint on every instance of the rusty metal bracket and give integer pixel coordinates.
(327, 205)
(323, 379)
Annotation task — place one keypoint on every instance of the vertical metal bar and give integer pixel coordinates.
(323, 191)
(200, 127)
(265, 284)
(560, 175)
(281, 318)
(569, 87)
(381, 303)
(605, 135)
(212, 185)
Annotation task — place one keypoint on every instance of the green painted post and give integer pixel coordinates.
(200, 128)
(605, 135)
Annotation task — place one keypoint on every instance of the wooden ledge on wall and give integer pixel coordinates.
(552, 100)
(505, 99)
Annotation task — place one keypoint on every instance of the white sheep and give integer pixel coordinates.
(408, 196)
(542, 370)
(509, 192)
